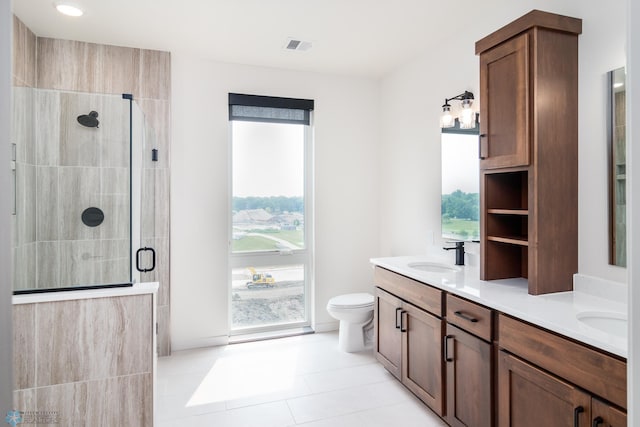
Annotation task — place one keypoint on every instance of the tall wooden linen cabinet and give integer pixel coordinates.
(529, 151)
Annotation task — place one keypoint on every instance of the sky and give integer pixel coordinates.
(268, 159)
(460, 163)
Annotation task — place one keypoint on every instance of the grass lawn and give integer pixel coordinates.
(461, 228)
(258, 243)
(253, 243)
(294, 236)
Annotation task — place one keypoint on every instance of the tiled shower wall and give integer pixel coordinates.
(92, 68)
(69, 361)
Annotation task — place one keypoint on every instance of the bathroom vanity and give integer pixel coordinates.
(484, 353)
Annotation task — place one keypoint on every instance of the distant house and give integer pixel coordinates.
(252, 216)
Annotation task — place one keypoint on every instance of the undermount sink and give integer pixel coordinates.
(612, 323)
(433, 267)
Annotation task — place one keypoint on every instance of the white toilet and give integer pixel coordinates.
(355, 313)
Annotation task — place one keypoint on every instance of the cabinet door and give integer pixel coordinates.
(605, 415)
(504, 105)
(469, 376)
(422, 366)
(388, 347)
(530, 397)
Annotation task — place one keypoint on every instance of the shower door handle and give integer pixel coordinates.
(153, 259)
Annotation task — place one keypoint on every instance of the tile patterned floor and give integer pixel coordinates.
(295, 381)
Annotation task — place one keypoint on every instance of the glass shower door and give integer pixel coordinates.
(72, 222)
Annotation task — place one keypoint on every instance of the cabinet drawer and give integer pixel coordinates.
(469, 316)
(419, 294)
(601, 374)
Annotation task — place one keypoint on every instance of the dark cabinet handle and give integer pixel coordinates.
(466, 317)
(446, 348)
(153, 260)
(481, 146)
(576, 416)
(597, 421)
(399, 309)
(402, 328)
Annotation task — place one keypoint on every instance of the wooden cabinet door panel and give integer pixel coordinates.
(422, 366)
(469, 388)
(504, 105)
(605, 415)
(388, 346)
(530, 397)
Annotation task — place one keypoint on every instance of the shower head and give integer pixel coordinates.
(89, 120)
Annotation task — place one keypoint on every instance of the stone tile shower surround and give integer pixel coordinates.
(53, 65)
(83, 377)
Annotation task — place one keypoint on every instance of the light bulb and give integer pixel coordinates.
(447, 120)
(467, 116)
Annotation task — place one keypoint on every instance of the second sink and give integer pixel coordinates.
(611, 323)
(433, 267)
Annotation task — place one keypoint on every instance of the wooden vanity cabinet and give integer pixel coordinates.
(408, 331)
(530, 397)
(468, 354)
(388, 344)
(606, 415)
(529, 151)
(546, 379)
(504, 106)
(422, 366)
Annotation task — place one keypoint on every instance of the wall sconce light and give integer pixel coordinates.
(467, 117)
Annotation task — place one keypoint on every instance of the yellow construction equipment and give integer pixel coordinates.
(260, 279)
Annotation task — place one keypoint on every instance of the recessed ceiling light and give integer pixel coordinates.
(69, 9)
(617, 85)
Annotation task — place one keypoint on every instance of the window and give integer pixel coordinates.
(270, 239)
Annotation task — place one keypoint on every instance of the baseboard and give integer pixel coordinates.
(326, 326)
(179, 345)
(269, 335)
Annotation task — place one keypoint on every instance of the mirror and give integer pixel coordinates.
(616, 84)
(460, 201)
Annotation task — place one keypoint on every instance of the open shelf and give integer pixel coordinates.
(508, 211)
(506, 192)
(513, 240)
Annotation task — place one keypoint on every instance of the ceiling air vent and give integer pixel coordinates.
(297, 45)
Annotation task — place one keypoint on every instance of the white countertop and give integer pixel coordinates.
(136, 289)
(555, 312)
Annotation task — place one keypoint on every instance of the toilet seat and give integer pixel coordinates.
(351, 301)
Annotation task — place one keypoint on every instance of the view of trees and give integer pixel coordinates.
(274, 204)
(461, 205)
(461, 215)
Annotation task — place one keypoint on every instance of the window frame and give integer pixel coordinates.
(272, 258)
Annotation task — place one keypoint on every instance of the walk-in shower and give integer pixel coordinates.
(79, 184)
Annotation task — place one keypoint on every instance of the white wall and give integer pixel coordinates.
(346, 175)
(6, 335)
(383, 165)
(410, 107)
(633, 233)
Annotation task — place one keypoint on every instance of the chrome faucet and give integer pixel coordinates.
(459, 248)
